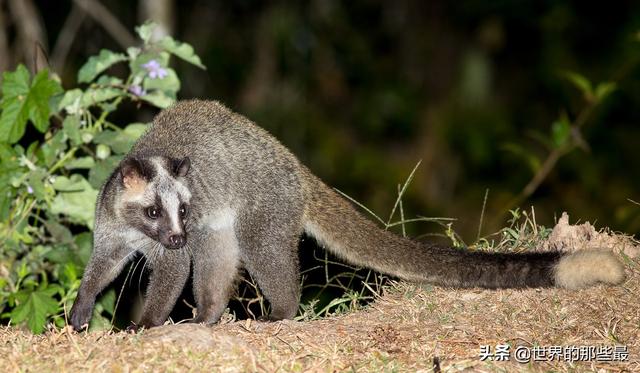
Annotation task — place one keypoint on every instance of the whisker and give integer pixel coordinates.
(136, 266)
(152, 258)
(122, 261)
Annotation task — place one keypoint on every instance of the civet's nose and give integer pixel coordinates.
(176, 241)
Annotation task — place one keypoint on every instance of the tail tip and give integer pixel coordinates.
(585, 268)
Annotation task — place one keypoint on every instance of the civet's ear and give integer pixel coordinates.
(132, 173)
(40, 59)
(181, 167)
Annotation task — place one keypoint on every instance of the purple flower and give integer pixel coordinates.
(155, 70)
(29, 189)
(136, 90)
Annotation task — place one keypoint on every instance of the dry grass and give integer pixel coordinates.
(404, 330)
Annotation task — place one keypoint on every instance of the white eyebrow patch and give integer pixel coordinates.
(219, 220)
(163, 174)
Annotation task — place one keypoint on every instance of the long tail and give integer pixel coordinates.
(336, 224)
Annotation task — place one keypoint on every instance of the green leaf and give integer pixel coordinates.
(604, 89)
(170, 84)
(102, 170)
(35, 181)
(583, 84)
(560, 131)
(76, 200)
(23, 101)
(74, 183)
(136, 65)
(15, 110)
(118, 141)
(71, 101)
(35, 307)
(96, 95)
(50, 150)
(82, 163)
(71, 128)
(518, 150)
(181, 50)
(135, 130)
(59, 232)
(41, 91)
(110, 80)
(97, 64)
(145, 31)
(84, 247)
(158, 99)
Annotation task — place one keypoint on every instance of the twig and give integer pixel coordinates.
(553, 157)
(30, 29)
(576, 140)
(66, 37)
(5, 56)
(484, 206)
(107, 20)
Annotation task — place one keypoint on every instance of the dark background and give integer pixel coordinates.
(362, 90)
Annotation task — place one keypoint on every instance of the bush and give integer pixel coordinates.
(49, 178)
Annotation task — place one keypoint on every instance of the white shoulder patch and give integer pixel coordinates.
(219, 220)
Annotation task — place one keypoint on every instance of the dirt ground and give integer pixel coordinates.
(410, 328)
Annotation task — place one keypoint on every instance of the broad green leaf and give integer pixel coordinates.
(102, 170)
(181, 50)
(35, 181)
(50, 150)
(59, 254)
(41, 91)
(82, 163)
(96, 95)
(145, 31)
(119, 141)
(76, 199)
(35, 307)
(158, 99)
(108, 301)
(84, 246)
(74, 183)
(110, 81)
(59, 232)
(170, 84)
(97, 64)
(137, 68)
(22, 102)
(133, 52)
(71, 102)
(71, 128)
(15, 110)
(135, 130)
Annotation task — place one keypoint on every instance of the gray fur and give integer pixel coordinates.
(249, 200)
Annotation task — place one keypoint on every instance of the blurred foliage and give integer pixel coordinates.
(361, 90)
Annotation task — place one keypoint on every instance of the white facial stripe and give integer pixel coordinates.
(171, 205)
(163, 174)
(171, 192)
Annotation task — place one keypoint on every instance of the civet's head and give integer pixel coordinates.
(155, 198)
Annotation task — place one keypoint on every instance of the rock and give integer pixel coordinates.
(567, 237)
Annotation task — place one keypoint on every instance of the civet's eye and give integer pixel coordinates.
(183, 211)
(153, 212)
